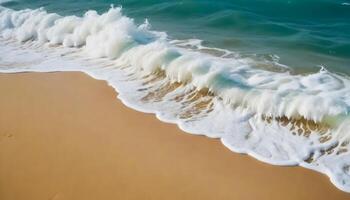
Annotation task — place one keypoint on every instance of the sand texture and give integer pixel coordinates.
(67, 136)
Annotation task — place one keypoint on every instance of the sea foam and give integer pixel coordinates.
(258, 107)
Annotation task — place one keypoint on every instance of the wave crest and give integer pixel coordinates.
(275, 115)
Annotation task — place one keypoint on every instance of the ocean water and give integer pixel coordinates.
(269, 78)
(304, 34)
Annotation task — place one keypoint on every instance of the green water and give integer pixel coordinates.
(305, 34)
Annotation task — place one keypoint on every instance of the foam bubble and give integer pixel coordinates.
(273, 115)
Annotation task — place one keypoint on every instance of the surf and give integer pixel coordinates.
(254, 106)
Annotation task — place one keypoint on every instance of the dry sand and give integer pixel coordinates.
(66, 136)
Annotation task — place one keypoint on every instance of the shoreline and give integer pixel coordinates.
(64, 135)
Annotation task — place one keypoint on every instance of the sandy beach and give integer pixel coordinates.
(66, 136)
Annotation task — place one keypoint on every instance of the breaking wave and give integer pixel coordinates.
(253, 105)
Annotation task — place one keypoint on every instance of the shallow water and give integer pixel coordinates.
(304, 34)
(266, 95)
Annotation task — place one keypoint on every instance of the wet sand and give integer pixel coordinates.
(66, 136)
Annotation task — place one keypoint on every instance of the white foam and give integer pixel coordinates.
(126, 55)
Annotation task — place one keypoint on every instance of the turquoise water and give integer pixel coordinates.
(268, 78)
(304, 34)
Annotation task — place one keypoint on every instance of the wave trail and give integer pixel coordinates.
(254, 106)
